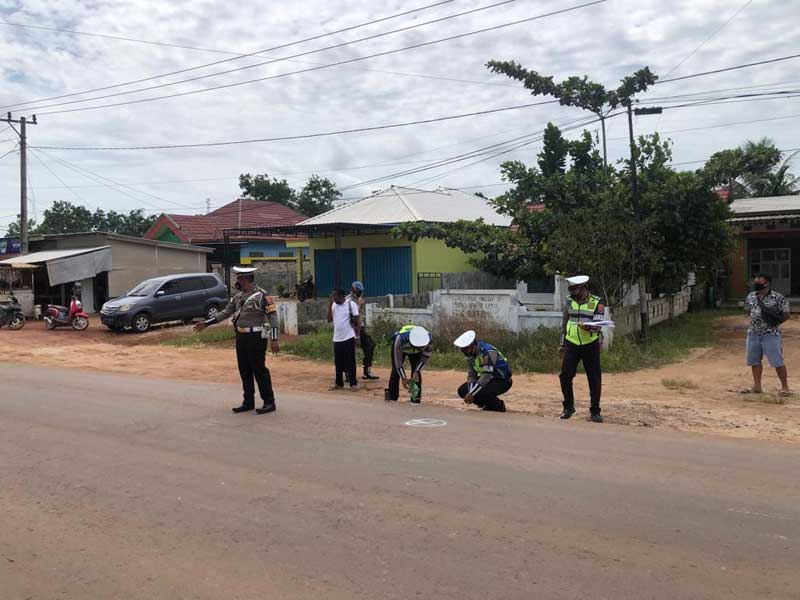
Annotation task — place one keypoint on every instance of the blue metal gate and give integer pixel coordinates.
(386, 270)
(325, 270)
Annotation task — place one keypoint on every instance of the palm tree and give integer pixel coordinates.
(776, 181)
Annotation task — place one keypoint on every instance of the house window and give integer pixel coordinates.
(286, 254)
(253, 254)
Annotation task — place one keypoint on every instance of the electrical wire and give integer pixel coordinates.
(310, 69)
(35, 154)
(709, 38)
(14, 149)
(303, 136)
(704, 127)
(237, 57)
(726, 69)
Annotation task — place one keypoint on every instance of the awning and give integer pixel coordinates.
(67, 266)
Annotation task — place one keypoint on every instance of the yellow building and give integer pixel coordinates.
(353, 242)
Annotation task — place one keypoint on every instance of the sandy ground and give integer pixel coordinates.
(710, 403)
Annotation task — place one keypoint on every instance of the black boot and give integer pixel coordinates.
(596, 418)
(267, 408)
(567, 413)
(243, 408)
(368, 374)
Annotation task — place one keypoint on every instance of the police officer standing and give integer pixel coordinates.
(367, 343)
(413, 343)
(488, 373)
(255, 318)
(581, 342)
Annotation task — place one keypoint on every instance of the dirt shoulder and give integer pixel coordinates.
(707, 399)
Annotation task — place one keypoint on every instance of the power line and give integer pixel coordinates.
(14, 149)
(734, 68)
(709, 38)
(794, 116)
(262, 63)
(316, 68)
(693, 162)
(237, 57)
(303, 136)
(54, 174)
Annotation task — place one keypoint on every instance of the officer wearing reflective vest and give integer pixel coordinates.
(255, 319)
(581, 342)
(488, 373)
(414, 343)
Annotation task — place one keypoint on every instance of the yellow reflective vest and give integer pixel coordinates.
(577, 314)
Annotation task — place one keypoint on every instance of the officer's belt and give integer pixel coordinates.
(249, 329)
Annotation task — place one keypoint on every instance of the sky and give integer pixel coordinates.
(605, 41)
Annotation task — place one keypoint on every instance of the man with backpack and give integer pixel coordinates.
(768, 310)
(343, 314)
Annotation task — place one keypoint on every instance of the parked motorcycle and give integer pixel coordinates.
(61, 316)
(11, 314)
(306, 289)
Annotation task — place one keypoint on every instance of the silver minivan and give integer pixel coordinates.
(162, 299)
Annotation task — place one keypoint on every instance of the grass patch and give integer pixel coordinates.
(679, 385)
(535, 351)
(766, 398)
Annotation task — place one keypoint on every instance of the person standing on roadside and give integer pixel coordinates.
(580, 342)
(344, 315)
(768, 310)
(367, 343)
(255, 320)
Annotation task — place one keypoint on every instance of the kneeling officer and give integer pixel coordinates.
(255, 319)
(488, 373)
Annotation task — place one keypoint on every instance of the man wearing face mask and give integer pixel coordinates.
(255, 319)
(488, 373)
(581, 342)
(768, 310)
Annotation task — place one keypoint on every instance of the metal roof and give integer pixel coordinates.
(766, 206)
(48, 255)
(400, 205)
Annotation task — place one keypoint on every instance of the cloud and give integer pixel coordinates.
(605, 42)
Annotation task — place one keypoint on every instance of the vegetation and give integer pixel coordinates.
(316, 197)
(65, 217)
(757, 169)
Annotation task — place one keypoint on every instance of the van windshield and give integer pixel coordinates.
(144, 289)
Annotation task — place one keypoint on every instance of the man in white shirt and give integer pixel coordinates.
(343, 313)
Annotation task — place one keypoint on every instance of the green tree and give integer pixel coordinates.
(317, 196)
(261, 187)
(14, 228)
(756, 169)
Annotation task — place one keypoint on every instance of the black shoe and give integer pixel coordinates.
(267, 408)
(596, 418)
(417, 401)
(242, 408)
(370, 376)
(567, 413)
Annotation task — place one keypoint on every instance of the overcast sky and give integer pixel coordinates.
(606, 42)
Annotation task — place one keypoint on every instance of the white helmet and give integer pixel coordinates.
(419, 337)
(465, 340)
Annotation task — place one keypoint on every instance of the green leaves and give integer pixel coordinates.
(316, 197)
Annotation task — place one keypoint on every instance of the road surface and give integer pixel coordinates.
(132, 488)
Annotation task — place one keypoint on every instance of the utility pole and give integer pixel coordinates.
(208, 205)
(23, 176)
(637, 209)
(603, 125)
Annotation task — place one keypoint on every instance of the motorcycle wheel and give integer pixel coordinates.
(80, 323)
(17, 322)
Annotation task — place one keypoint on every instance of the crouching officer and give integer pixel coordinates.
(413, 343)
(488, 373)
(255, 318)
(580, 342)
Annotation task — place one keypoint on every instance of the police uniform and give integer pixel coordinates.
(581, 346)
(417, 355)
(255, 319)
(488, 374)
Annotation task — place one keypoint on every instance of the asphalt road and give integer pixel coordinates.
(120, 487)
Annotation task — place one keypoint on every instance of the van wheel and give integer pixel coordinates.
(212, 311)
(141, 323)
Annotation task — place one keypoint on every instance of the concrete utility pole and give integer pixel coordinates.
(23, 176)
(637, 208)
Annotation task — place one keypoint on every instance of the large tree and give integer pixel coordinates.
(317, 196)
(756, 169)
(264, 188)
(65, 217)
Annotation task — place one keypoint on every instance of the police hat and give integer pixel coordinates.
(465, 340)
(244, 270)
(419, 337)
(577, 280)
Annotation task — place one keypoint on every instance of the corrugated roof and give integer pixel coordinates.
(48, 255)
(399, 205)
(239, 213)
(775, 204)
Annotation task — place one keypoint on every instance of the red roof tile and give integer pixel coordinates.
(239, 213)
